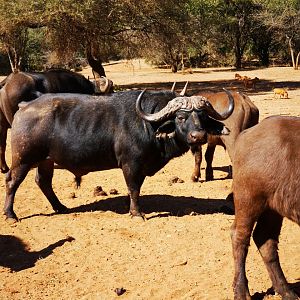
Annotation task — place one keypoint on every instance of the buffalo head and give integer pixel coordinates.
(188, 118)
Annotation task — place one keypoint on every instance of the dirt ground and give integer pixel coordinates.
(183, 250)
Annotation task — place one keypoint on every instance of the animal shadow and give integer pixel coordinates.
(15, 254)
(260, 296)
(163, 205)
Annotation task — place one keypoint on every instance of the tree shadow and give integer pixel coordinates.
(225, 169)
(260, 296)
(162, 205)
(15, 254)
(263, 86)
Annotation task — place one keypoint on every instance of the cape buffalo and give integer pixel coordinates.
(21, 86)
(245, 115)
(84, 133)
(265, 189)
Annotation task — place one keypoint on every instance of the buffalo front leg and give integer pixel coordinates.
(3, 136)
(134, 182)
(198, 160)
(14, 178)
(266, 235)
(134, 207)
(209, 155)
(240, 236)
(43, 178)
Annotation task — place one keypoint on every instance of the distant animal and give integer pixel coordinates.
(138, 132)
(245, 115)
(250, 82)
(237, 76)
(23, 86)
(265, 190)
(281, 92)
(240, 77)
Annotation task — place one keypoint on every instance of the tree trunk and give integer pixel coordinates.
(174, 67)
(292, 53)
(297, 61)
(238, 54)
(95, 63)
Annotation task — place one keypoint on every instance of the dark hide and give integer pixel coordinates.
(265, 189)
(245, 115)
(87, 133)
(21, 86)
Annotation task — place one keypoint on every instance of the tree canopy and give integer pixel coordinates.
(176, 33)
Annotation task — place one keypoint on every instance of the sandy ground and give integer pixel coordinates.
(183, 250)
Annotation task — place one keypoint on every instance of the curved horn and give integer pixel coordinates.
(183, 92)
(185, 103)
(221, 116)
(173, 87)
(104, 89)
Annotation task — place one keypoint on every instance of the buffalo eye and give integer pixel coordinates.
(181, 118)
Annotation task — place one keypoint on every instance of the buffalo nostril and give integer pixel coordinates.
(193, 135)
(197, 137)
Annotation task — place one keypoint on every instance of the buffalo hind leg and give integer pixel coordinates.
(14, 178)
(198, 160)
(240, 236)
(265, 235)
(43, 178)
(209, 155)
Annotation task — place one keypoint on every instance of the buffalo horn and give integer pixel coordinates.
(183, 92)
(173, 87)
(184, 103)
(221, 116)
(104, 89)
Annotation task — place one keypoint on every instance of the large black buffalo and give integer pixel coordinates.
(138, 132)
(22, 86)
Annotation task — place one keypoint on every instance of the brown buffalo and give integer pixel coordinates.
(245, 115)
(21, 86)
(265, 189)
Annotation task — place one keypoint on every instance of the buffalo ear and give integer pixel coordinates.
(215, 127)
(167, 127)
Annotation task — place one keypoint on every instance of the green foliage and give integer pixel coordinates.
(36, 33)
(34, 55)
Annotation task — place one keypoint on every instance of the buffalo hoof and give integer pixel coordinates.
(195, 178)
(137, 215)
(11, 221)
(11, 218)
